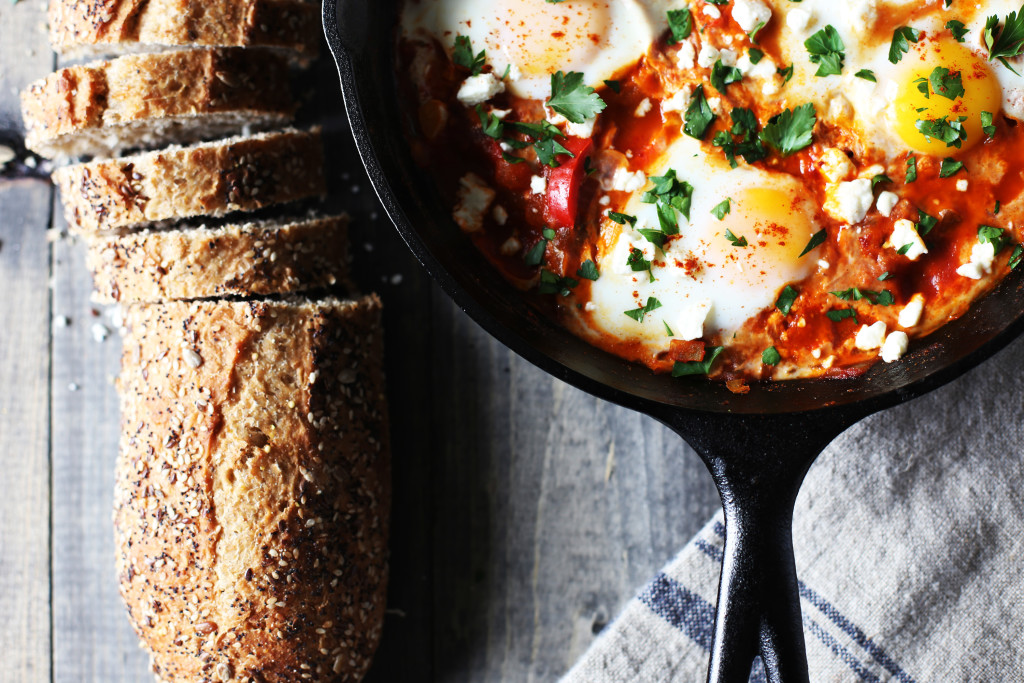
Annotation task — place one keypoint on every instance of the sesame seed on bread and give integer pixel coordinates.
(152, 100)
(242, 173)
(269, 257)
(252, 488)
(92, 28)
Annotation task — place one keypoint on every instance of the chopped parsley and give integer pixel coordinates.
(883, 298)
(669, 194)
(952, 133)
(817, 239)
(698, 115)
(698, 367)
(741, 139)
(588, 270)
(901, 39)
(958, 29)
(925, 223)
(790, 131)
(535, 256)
(680, 24)
(574, 100)
(550, 283)
(879, 179)
(639, 314)
(736, 241)
(911, 169)
(622, 218)
(946, 84)
(1006, 42)
(867, 75)
(786, 299)
(722, 75)
(722, 209)
(1016, 257)
(827, 51)
(950, 167)
(994, 236)
(771, 356)
(988, 123)
(464, 57)
(638, 264)
(839, 314)
(614, 85)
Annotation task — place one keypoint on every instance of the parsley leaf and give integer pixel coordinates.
(622, 218)
(702, 367)
(952, 133)
(994, 236)
(464, 57)
(911, 169)
(1016, 257)
(588, 270)
(771, 356)
(867, 75)
(817, 239)
(572, 99)
(786, 299)
(837, 315)
(958, 29)
(1006, 42)
(550, 283)
(736, 241)
(791, 130)
(698, 115)
(901, 39)
(722, 75)
(680, 23)
(640, 313)
(721, 210)
(949, 167)
(669, 195)
(946, 84)
(827, 51)
(637, 263)
(988, 123)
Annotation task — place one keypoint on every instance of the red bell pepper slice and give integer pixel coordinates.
(562, 198)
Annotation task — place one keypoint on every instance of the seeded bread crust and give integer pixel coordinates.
(96, 27)
(209, 179)
(253, 259)
(252, 489)
(152, 100)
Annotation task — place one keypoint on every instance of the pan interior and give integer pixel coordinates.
(364, 41)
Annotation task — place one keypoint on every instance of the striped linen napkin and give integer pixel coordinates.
(909, 539)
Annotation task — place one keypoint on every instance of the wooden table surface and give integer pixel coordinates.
(526, 513)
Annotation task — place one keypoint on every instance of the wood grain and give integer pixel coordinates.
(24, 370)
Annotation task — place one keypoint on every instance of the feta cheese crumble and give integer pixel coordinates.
(474, 197)
(904, 232)
(870, 337)
(886, 202)
(896, 344)
(910, 316)
(478, 89)
(750, 14)
(982, 256)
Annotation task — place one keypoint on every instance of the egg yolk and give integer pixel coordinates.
(944, 87)
(542, 38)
(776, 225)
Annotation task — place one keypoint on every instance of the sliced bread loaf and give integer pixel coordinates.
(252, 488)
(153, 100)
(91, 28)
(210, 179)
(252, 259)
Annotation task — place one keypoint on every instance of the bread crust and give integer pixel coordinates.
(117, 26)
(91, 109)
(252, 259)
(252, 488)
(209, 179)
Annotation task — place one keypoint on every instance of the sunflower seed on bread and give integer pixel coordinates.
(242, 173)
(152, 100)
(92, 28)
(242, 260)
(252, 488)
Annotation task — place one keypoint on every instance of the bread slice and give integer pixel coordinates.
(104, 108)
(251, 259)
(252, 489)
(242, 173)
(88, 28)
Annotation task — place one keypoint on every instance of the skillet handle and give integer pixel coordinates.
(758, 600)
(758, 463)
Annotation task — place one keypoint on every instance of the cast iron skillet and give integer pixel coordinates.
(758, 447)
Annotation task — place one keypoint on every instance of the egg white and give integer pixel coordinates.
(533, 38)
(729, 284)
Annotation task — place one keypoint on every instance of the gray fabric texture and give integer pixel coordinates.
(909, 540)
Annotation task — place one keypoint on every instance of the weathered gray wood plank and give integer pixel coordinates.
(24, 419)
(91, 635)
(24, 370)
(552, 509)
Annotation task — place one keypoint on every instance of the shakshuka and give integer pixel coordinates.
(745, 189)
